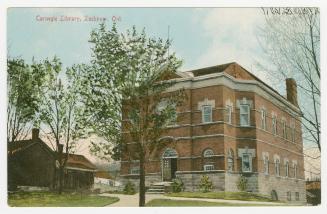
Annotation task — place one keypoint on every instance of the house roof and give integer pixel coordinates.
(79, 161)
(230, 68)
(74, 161)
(210, 70)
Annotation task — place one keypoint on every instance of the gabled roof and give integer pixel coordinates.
(74, 161)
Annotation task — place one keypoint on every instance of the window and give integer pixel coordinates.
(135, 170)
(297, 196)
(206, 114)
(274, 125)
(293, 131)
(208, 167)
(284, 129)
(295, 170)
(230, 160)
(286, 168)
(246, 163)
(277, 165)
(244, 115)
(173, 119)
(289, 196)
(263, 119)
(229, 110)
(266, 165)
(208, 153)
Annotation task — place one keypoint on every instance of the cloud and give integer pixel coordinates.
(232, 32)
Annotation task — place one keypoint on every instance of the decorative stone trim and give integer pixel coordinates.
(206, 102)
(244, 101)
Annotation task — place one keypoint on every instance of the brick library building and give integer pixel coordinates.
(232, 124)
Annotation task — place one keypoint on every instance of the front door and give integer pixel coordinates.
(169, 167)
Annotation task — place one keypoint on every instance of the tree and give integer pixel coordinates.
(291, 40)
(23, 83)
(61, 110)
(126, 86)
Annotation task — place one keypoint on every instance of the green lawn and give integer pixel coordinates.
(192, 203)
(48, 199)
(244, 196)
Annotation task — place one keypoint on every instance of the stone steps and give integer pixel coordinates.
(158, 188)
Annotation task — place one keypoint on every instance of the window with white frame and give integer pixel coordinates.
(286, 169)
(263, 119)
(229, 110)
(293, 131)
(277, 167)
(266, 164)
(206, 114)
(244, 115)
(208, 167)
(295, 170)
(274, 124)
(135, 170)
(246, 163)
(284, 128)
(208, 153)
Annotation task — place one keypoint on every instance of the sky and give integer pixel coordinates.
(201, 36)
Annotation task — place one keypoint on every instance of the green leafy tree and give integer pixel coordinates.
(23, 84)
(61, 110)
(126, 86)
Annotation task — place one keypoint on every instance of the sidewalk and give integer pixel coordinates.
(132, 200)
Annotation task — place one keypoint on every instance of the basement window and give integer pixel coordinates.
(297, 196)
(134, 170)
(208, 167)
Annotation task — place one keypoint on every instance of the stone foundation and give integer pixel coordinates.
(256, 183)
(192, 180)
(282, 185)
(149, 179)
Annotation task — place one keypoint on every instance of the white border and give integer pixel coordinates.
(130, 3)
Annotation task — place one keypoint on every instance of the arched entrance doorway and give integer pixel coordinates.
(169, 164)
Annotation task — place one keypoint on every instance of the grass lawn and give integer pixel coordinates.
(49, 199)
(244, 196)
(192, 203)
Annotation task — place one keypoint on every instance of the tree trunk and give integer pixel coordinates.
(61, 168)
(61, 179)
(142, 183)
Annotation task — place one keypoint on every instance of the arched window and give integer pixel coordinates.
(170, 153)
(230, 160)
(208, 153)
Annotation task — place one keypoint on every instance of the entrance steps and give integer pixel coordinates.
(158, 188)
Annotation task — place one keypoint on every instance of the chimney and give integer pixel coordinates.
(291, 91)
(35, 133)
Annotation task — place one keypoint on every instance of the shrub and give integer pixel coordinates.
(129, 188)
(242, 183)
(177, 185)
(206, 184)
